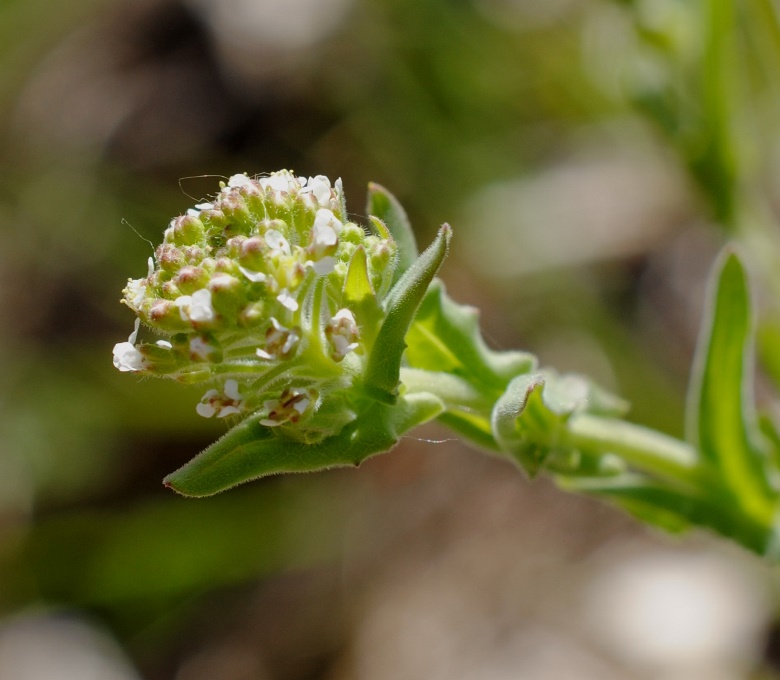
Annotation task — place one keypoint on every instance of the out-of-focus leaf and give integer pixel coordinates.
(165, 549)
(401, 304)
(721, 417)
(383, 205)
(660, 505)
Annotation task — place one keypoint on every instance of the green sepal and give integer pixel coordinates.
(383, 205)
(445, 337)
(722, 422)
(251, 450)
(360, 296)
(400, 306)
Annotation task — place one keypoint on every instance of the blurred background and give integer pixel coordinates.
(592, 157)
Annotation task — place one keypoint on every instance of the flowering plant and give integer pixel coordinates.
(323, 342)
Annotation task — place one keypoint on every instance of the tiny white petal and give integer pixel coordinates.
(204, 206)
(287, 300)
(150, 267)
(319, 186)
(263, 354)
(339, 187)
(127, 357)
(239, 181)
(292, 339)
(270, 423)
(324, 235)
(302, 405)
(134, 335)
(280, 181)
(324, 266)
(255, 277)
(205, 409)
(228, 411)
(201, 308)
(276, 241)
(345, 313)
(325, 217)
(231, 390)
(164, 344)
(183, 302)
(199, 348)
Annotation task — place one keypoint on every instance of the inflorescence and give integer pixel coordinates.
(248, 292)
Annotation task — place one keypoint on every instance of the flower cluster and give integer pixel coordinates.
(245, 284)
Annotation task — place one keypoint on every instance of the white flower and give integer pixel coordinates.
(183, 302)
(289, 407)
(200, 350)
(324, 266)
(342, 333)
(237, 181)
(206, 407)
(319, 187)
(255, 277)
(195, 212)
(196, 307)
(326, 218)
(126, 356)
(280, 181)
(201, 309)
(231, 390)
(136, 290)
(280, 342)
(277, 242)
(287, 300)
(226, 403)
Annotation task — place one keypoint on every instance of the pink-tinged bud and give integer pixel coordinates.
(186, 230)
(165, 315)
(169, 257)
(227, 295)
(252, 315)
(189, 279)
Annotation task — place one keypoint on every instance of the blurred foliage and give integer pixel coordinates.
(111, 112)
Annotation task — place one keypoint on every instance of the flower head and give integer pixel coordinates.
(249, 290)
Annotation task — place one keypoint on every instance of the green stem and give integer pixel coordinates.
(455, 392)
(646, 450)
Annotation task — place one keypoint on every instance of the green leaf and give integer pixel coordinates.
(445, 337)
(401, 304)
(721, 417)
(529, 419)
(251, 450)
(383, 205)
(658, 504)
(522, 423)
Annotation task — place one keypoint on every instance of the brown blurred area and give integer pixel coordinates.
(578, 232)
